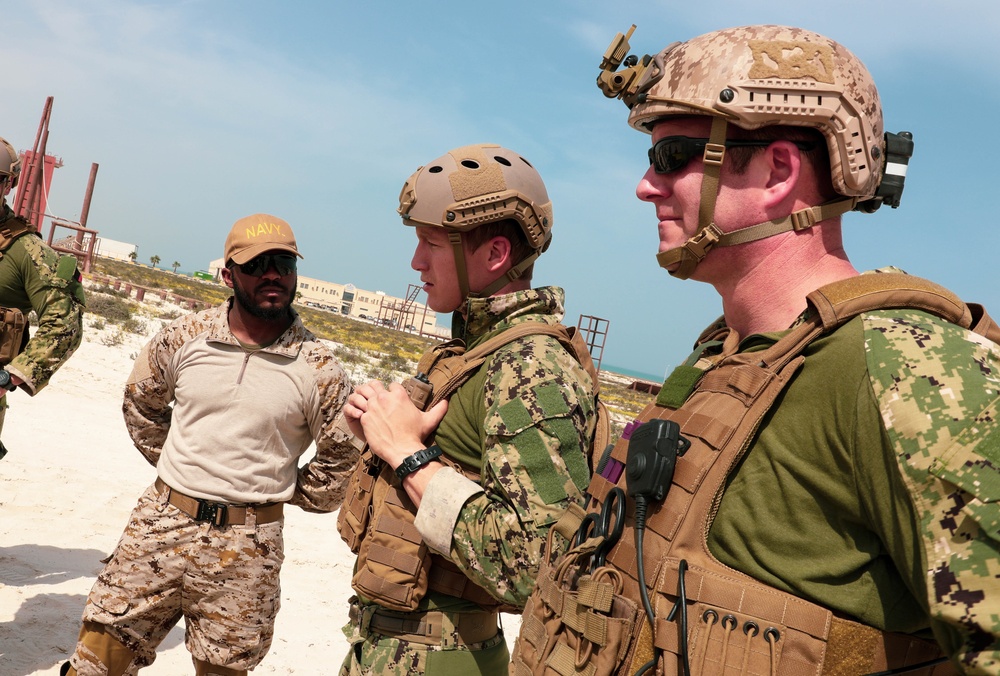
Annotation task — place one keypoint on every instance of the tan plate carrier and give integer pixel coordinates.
(395, 567)
(592, 623)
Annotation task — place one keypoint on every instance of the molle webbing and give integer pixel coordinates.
(13, 228)
(732, 619)
(392, 556)
(12, 338)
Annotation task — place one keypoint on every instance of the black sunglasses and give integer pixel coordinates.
(256, 267)
(672, 153)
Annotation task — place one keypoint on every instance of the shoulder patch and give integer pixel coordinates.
(531, 380)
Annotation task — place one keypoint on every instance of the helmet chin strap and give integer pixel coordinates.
(687, 256)
(460, 269)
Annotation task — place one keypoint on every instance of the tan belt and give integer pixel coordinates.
(220, 514)
(426, 627)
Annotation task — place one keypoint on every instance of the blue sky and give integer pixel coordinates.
(203, 111)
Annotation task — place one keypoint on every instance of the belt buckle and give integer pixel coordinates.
(214, 512)
(361, 615)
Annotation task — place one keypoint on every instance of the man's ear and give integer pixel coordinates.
(784, 166)
(227, 276)
(498, 255)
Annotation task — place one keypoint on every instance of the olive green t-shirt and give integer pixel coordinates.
(817, 507)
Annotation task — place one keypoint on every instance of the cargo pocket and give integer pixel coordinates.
(393, 560)
(352, 519)
(107, 602)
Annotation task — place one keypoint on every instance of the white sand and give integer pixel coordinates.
(66, 490)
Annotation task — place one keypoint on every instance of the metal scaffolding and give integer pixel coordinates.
(31, 201)
(400, 315)
(595, 332)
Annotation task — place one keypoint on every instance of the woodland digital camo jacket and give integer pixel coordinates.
(524, 422)
(30, 280)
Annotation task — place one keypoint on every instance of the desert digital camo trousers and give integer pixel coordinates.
(223, 581)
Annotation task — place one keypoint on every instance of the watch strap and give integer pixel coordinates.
(414, 462)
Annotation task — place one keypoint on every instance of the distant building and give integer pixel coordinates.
(110, 248)
(375, 306)
(214, 268)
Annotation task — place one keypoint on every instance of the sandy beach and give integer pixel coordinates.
(66, 490)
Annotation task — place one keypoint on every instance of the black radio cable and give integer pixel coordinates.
(640, 529)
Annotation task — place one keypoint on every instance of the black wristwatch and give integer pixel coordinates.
(417, 460)
(5, 381)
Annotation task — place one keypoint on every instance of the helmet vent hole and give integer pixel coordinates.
(527, 162)
(437, 169)
(470, 164)
(502, 160)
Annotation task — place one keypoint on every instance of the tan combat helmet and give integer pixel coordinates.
(758, 76)
(474, 185)
(10, 164)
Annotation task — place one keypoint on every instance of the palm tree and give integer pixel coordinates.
(154, 260)
(132, 255)
(175, 265)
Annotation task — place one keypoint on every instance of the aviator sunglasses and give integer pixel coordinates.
(672, 153)
(256, 267)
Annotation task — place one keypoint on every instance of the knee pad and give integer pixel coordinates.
(99, 654)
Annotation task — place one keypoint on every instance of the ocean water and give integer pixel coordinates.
(632, 373)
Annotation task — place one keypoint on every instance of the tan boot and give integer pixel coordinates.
(206, 669)
(98, 652)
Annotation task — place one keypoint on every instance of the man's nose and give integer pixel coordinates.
(652, 185)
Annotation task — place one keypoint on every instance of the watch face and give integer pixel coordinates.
(4, 379)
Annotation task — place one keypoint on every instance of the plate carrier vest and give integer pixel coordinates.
(395, 567)
(13, 324)
(591, 622)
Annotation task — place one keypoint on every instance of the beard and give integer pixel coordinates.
(255, 309)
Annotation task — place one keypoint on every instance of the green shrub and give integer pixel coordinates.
(394, 362)
(111, 308)
(113, 339)
(346, 355)
(133, 325)
(107, 290)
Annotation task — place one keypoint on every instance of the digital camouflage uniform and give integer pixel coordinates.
(223, 580)
(892, 421)
(524, 421)
(31, 278)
